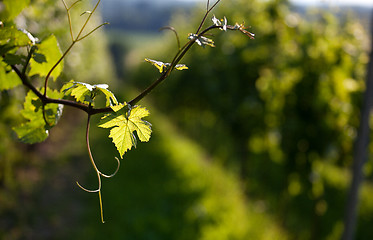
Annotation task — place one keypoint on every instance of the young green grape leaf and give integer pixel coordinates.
(161, 66)
(201, 40)
(36, 128)
(83, 92)
(86, 93)
(49, 48)
(67, 87)
(110, 97)
(124, 123)
(33, 107)
(8, 78)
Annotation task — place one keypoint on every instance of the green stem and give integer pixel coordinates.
(99, 174)
(73, 42)
(87, 20)
(94, 166)
(69, 19)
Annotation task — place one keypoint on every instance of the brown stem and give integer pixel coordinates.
(25, 81)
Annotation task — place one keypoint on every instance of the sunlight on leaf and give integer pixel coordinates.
(36, 129)
(50, 49)
(86, 93)
(124, 123)
(11, 37)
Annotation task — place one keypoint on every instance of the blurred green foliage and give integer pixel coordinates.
(281, 110)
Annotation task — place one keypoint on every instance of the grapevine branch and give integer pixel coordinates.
(92, 111)
(198, 38)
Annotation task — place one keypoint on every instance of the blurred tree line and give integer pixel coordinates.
(267, 134)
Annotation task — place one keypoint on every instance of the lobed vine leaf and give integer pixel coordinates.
(124, 123)
(39, 119)
(10, 40)
(86, 93)
(45, 57)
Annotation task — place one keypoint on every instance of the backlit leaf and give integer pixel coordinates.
(86, 93)
(82, 93)
(124, 123)
(49, 48)
(110, 98)
(36, 128)
(11, 37)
